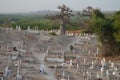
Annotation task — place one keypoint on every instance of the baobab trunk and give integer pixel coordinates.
(62, 28)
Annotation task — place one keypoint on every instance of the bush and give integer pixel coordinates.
(53, 33)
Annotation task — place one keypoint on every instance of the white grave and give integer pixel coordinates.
(6, 71)
(42, 68)
(107, 74)
(19, 28)
(84, 61)
(77, 67)
(102, 70)
(71, 64)
(68, 77)
(92, 66)
(28, 29)
(112, 65)
(63, 74)
(97, 51)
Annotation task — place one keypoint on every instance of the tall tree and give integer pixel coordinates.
(104, 30)
(64, 16)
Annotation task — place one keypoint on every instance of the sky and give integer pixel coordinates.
(21, 6)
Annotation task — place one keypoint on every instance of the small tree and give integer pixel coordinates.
(87, 11)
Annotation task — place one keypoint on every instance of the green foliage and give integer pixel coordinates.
(45, 24)
(53, 33)
(108, 32)
(116, 23)
(72, 26)
(97, 14)
(32, 20)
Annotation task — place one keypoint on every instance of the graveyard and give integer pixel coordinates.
(37, 55)
(59, 40)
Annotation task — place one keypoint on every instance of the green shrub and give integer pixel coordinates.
(53, 33)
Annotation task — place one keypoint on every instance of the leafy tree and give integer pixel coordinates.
(108, 32)
(104, 30)
(96, 13)
(116, 23)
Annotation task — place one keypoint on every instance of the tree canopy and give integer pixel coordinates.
(116, 24)
(107, 31)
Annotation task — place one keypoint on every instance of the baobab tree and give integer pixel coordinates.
(64, 17)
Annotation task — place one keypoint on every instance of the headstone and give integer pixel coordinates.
(19, 28)
(62, 65)
(16, 27)
(71, 63)
(42, 68)
(98, 76)
(6, 71)
(112, 65)
(116, 69)
(87, 72)
(92, 66)
(63, 54)
(109, 61)
(97, 51)
(115, 72)
(89, 52)
(103, 62)
(84, 60)
(68, 77)
(28, 29)
(107, 74)
(18, 69)
(88, 75)
(77, 67)
(19, 77)
(55, 67)
(102, 70)
(63, 74)
(47, 52)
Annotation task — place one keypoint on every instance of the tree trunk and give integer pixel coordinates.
(62, 28)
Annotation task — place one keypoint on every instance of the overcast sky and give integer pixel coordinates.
(16, 6)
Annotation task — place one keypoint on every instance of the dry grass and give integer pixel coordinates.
(112, 58)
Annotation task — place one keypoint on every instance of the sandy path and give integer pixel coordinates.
(49, 73)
